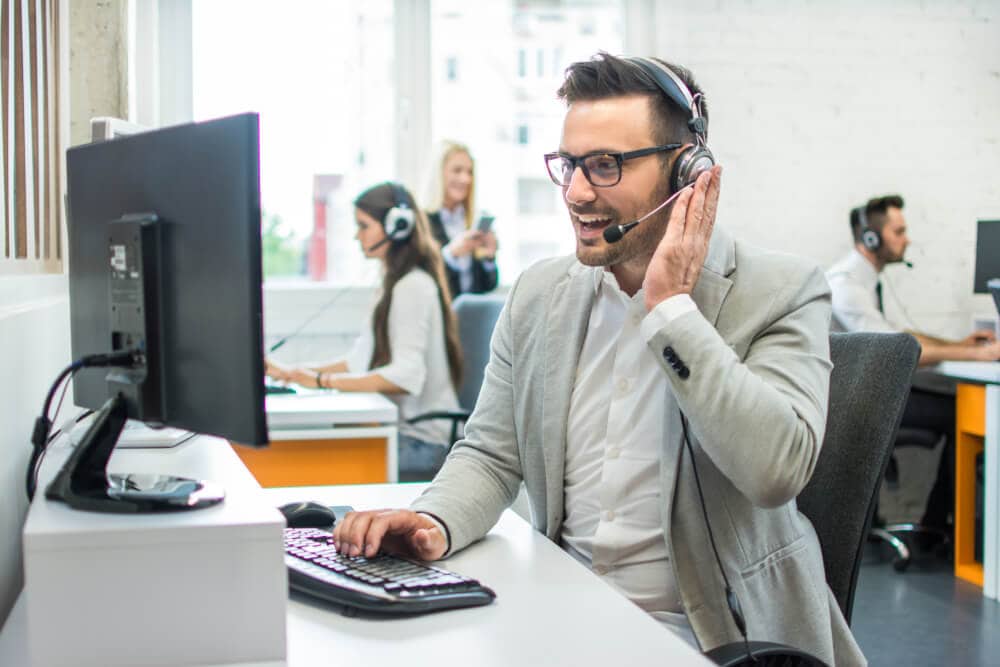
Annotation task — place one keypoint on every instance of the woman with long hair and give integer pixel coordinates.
(410, 352)
(469, 246)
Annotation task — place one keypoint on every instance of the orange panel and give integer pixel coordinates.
(970, 409)
(317, 462)
(970, 420)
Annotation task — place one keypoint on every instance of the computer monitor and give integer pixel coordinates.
(987, 254)
(165, 260)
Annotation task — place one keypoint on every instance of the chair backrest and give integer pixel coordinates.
(869, 387)
(477, 316)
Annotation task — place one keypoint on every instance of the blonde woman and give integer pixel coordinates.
(468, 247)
(410, 352)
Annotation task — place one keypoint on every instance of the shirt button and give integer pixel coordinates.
(600, 569)
(613, 453)
(609, 515)
(623, 385)
(637, 319)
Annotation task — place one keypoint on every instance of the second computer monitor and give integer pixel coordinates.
(987, 254)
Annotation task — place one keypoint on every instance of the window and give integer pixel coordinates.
(321, 78)
(513, 57)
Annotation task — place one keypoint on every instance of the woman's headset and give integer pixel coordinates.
(401, 218)
(694, 159)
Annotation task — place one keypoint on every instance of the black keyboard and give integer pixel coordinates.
(385, 583)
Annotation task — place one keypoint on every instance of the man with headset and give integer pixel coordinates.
(879, 231)
(664, 388)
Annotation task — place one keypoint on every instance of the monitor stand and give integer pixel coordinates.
(84, 483)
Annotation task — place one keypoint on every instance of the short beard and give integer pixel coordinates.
(640, 241)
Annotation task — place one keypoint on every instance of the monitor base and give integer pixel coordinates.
(84, 483)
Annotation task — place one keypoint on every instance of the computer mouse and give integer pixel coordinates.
(308, 514)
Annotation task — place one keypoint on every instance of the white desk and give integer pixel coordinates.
(977, 420)
(550, 610)
(320, 438)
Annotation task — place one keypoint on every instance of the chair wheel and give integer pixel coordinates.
(900, 564)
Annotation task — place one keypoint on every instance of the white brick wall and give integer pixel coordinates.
(817, 106)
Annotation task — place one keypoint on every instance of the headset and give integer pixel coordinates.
(870, 238)
(401, 218)
(694, 159)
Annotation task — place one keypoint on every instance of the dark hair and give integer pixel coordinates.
(876, 210)
(418, 251)
(605, 75)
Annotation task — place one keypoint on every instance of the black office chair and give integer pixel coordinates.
(868, 390)
(477, 316)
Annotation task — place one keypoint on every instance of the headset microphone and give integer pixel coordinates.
(401, 226)
(909, 265)
(379, 244)
(615, 233)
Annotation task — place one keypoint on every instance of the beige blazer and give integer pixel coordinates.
(755, 395)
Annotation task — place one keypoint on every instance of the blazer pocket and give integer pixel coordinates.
(775, 558)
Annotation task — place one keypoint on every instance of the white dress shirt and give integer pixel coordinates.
(853, 281)
(615, 432)
(419, 362)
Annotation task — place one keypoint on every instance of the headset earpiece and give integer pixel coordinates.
(401, 218)
(689, 164)
(870, 238)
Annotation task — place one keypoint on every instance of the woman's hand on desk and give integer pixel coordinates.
(401, 532)
(276, 370)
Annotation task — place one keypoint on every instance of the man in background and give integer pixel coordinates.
(880, 239)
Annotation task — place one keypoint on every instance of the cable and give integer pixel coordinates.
(40, 434)
(735, 609)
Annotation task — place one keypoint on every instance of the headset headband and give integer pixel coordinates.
(676, 90)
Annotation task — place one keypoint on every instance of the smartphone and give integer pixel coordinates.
(485, 223)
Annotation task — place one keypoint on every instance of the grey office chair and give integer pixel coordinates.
(477, 316)
(868, 390)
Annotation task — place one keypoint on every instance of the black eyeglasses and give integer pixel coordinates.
(602, 170)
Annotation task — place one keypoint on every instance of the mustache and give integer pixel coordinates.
(592, 210)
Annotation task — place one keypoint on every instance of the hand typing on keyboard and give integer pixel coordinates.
(395, 531)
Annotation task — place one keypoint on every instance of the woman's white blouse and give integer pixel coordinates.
(419, 361)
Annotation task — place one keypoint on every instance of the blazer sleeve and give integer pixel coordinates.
(482, 474)
(760, 419)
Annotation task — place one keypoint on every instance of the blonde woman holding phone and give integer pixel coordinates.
(468, 243)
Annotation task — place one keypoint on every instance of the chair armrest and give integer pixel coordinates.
(460, 416)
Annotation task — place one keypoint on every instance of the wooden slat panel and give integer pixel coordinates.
(33, 150)
(20, 180)
(57, 102)
(8, 222)
(47, 136)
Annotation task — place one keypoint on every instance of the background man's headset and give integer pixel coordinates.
(399, 220)
(692, 160)
(870, 238)
(688, 165)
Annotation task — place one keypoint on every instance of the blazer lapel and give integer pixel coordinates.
(567, 315)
